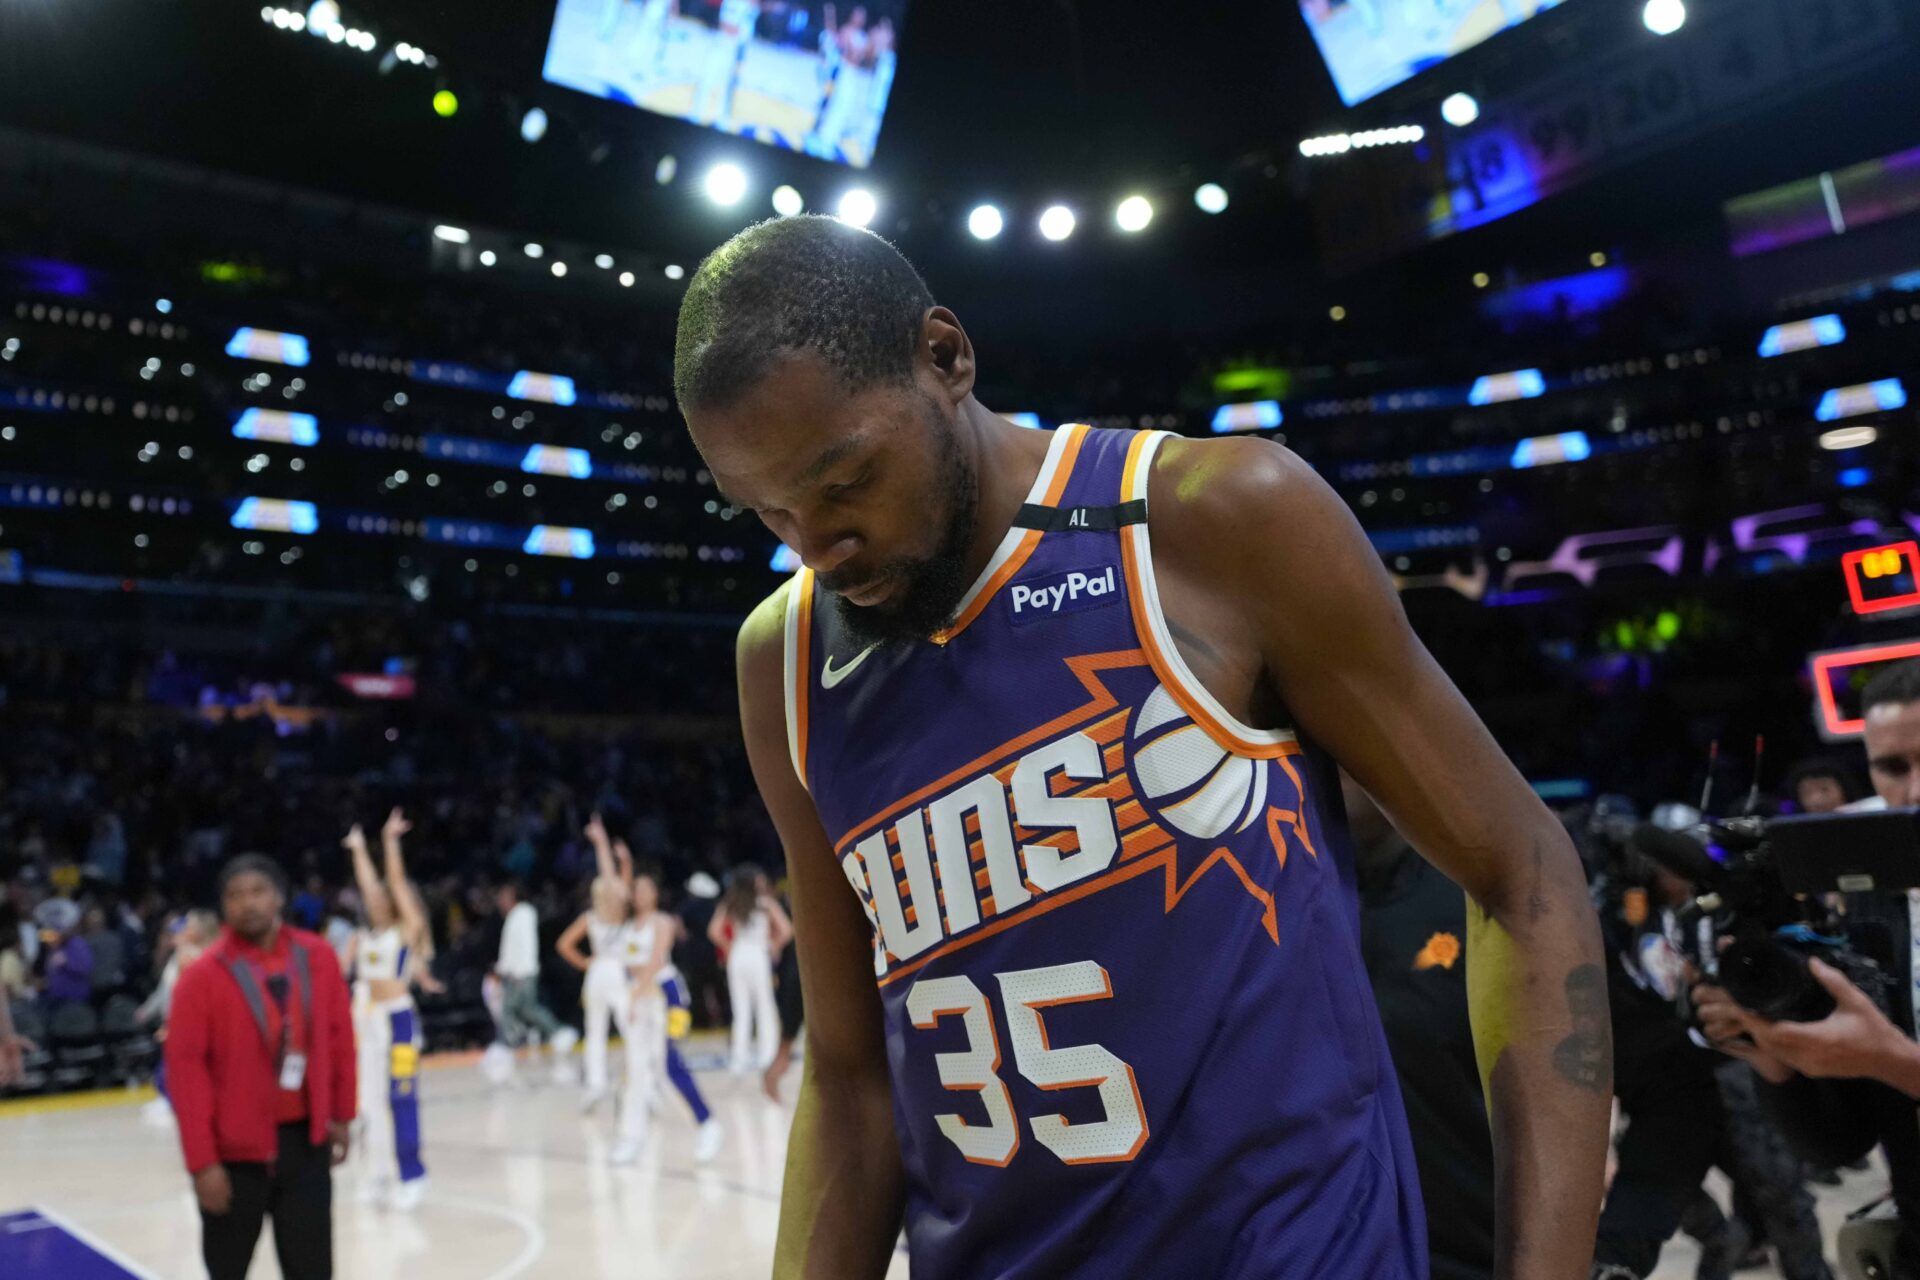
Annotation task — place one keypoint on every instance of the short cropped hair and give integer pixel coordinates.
(1899, 683)
(790, 285)
(258, 863)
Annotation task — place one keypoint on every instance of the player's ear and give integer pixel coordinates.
(949, 353)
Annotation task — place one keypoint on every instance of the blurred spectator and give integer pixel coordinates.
(69, 960)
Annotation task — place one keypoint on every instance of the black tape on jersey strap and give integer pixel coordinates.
(1057, 519)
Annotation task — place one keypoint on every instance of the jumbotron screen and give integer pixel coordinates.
(1372, 45)
(806, 75)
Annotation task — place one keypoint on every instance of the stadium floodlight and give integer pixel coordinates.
(626, 279)
(726, 184)
(858, 207)
(604, 261)
(488, 257)
(1664, 17)
(533, 249)
(451, 234)
(1460, 110)
(985, 222)
(559, 269)
(1211, 197)
(533, 125)
(787, 201)
(663, 173)
(1133, 214)
(1057, 222)
(323, 16)
(674, 271)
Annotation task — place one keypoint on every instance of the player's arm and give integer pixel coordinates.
(841, 1205)
(1251, 538)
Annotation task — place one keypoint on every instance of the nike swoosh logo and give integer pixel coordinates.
(829, 677)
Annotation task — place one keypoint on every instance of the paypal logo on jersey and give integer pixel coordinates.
(1063, 592)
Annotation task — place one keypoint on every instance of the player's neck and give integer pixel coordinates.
(1006, 461)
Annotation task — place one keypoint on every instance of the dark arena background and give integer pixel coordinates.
(341, 471)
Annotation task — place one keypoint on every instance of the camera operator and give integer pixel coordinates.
(1684, 1117)
(1839, 1085)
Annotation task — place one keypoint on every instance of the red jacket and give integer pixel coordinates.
(220, 1073)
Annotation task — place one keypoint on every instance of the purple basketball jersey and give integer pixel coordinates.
(1115, 930)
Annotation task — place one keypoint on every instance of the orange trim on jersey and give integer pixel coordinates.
(1176, 889)
(1069, 453)
(803, 678)
(1101, 699)
(1162, 667)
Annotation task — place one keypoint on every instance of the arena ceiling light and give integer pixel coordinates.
(858, 207)
(1664, 17)
(451, 234)
(726, 184)
(626, 279)
(1211, 197)
(534, 249)
(663, 173)
(1057, 222)
(604, 261)
(1460, 109)
(533, 125)
(786, 201)
(674, 271)
(559, 269)
(1133, 214)
(985, 222)
(488, 258)
(323, 16)
(1842, 438)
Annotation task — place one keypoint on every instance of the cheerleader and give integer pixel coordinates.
(190, 935)
(752, 930)
(673, 988)
(605, 927)
(644, 1034)
(389, 952)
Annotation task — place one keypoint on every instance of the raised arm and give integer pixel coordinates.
(603, 858)
(623, 865)
(1249, 541)
(373, 893)
(841, 1207)
(406, 900)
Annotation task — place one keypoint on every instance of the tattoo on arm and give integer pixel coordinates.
(1585, 1057)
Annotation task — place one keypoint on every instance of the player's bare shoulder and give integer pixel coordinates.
(759, 647)
(1206, 497)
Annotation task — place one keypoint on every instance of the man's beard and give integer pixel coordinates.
(932, 586)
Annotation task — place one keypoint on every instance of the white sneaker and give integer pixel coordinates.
(626, 1151)
(593, 1098)
(563, 1042)
(407, 1196)
(706, 1142)
(157, 1113)
(496, 1064)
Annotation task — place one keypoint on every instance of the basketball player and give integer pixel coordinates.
(605, 990)
(387, 955)
(726, 49)
(751, 929)
(848, 92)
(1047, 726)
(880, 88)
(650, 42)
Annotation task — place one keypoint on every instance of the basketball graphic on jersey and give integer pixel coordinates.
(1191, 782)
